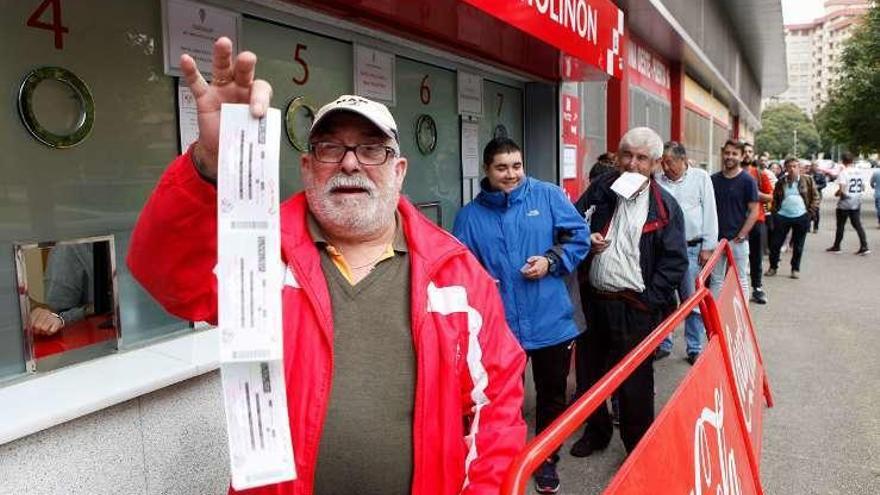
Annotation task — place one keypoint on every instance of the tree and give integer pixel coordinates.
(783, 124)
(850, 117)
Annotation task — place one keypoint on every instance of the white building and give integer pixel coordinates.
(814, 49)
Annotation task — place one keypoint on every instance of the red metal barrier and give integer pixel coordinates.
(717, 394)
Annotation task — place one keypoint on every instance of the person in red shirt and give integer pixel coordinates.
(758, 235)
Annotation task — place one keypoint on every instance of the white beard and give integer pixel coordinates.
(352, 216)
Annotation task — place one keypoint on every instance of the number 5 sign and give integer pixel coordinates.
(192, 28)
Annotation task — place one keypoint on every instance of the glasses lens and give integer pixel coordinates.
(371, 154)
(329, 152)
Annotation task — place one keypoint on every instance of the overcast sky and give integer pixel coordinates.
(798, 11)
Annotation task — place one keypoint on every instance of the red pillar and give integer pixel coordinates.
(735, 131)
(676, 95)
(617, 108)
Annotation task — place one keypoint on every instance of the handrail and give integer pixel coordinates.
(709, 267)
(543, 445)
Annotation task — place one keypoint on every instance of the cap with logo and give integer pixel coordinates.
(373, 111)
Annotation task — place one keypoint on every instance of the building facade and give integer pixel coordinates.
(95, 114)
(814, 49)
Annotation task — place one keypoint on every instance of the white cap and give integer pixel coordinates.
(373, 111)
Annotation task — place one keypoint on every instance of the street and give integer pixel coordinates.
(819, 338)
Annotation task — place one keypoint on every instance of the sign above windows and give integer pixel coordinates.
(591, 30)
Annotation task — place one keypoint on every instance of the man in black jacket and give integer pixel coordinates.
(628, 284)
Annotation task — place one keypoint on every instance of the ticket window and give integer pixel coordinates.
(306, 71)
(427, 119)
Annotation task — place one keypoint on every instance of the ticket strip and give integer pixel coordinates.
(249, 274)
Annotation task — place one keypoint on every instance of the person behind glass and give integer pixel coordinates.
(758, 234)
(692, 188)
(399, 363)
(637, 261)
(821, 182)
(69, 289)
(795, 202)
(529, 236)
(736, 199)
(850, 187)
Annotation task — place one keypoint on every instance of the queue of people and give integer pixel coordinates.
(405, 347)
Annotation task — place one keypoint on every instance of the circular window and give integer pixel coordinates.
(297, 121)
(56, 107)
(426, 134)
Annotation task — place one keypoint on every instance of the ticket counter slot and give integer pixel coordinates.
(68, 301)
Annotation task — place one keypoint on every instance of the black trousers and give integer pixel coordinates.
(757, 240)
(816, 219)
(854, 216)
(550, 367)
(613, 329)
(799, 227)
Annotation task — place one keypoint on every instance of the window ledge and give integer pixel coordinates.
(44, 401)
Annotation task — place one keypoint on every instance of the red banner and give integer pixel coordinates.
(591, 30)
(744, 355)
(696, 446)
(573, 151)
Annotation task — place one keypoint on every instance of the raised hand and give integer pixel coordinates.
(233, 82)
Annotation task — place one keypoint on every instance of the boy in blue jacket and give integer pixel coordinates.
(529, 236)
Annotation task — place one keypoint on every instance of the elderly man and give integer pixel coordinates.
(692, 188)
(398, 360)
(637, 261)
(529, 237)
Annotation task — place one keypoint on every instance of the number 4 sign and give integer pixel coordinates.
(54, 25)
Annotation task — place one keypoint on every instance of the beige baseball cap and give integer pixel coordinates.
(373, 111)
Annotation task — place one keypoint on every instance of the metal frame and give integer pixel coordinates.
(32, 365)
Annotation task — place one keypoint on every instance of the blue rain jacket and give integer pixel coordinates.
(504, 230)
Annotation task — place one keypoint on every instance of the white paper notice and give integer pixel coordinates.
(628, 184)
(260, 450)
(189, 116)
(470, 149)
(374, 74)
(249, 246)
(470, 94)
(192, 28)
(569, 162)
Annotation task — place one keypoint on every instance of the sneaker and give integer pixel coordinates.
(692, 357)
(759, 296)
(795, 274)
(815, 231)
(833, 249)
(863, 251)
(660, 354)
(585, 448)
(546, 479)
(771, 272)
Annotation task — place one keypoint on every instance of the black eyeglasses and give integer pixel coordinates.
(366, 154)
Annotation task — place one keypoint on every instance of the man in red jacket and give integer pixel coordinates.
(398, 362)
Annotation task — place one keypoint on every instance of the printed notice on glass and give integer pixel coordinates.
(260, 449)
(470, 94)
(569, 162)
(249, 268)
(374, 74)
(192, 27)
(188, 115)
(470, 149)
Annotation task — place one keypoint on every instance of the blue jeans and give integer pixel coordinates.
(694, 331)
(877, 207)
(741, 258)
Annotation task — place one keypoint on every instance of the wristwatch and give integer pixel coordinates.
(551, 262)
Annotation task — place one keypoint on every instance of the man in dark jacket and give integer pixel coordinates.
(821, 182)
(628, 283)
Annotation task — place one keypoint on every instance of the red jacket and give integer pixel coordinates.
(467, 423)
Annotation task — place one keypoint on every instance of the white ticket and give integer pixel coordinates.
(249, 269)
(260, 450)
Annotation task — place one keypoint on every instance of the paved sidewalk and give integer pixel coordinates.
(820, 336)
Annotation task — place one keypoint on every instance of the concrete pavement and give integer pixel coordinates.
(820, 336)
